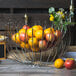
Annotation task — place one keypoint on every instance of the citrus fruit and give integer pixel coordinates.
(59, 63)
(22, 31)
(33, 41)
(40, 27)
(30, 32)
(48, 30)
(27, 45)
(13, 37)
(16, 38)
(37, 27)
(39, 34)
(24, 45)
(35, 49)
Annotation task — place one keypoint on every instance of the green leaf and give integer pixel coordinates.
(64, 27)
(69, 23)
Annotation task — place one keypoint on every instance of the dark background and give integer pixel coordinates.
(73, 29)
(37, 7)
(1, 51)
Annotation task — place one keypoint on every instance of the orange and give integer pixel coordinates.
(23, 45)
(35, 49)
(59, 63)
(30, 32)
(33, 41)
(48, 30)
(13, 37)
(37, 27)
(27, 45)
(22, 31)
(52, 30)
(39, 34)
(17, 38)
(40, 27)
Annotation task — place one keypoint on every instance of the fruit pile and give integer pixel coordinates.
(69, 63)
(36, 37)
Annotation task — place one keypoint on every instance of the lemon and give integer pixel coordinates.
(59, 63)
(33, 42)
(39, 34)
(30, 32)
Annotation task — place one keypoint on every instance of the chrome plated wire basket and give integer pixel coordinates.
(54, 49)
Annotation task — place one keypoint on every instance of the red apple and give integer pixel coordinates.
(26, 27)
(69, 63)
(23, 37)
(50, 37)
(42, 44)
(57, 33)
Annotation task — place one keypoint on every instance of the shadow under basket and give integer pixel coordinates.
(44, 56)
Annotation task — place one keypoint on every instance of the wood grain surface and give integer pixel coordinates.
(13, 68)
(72, 48)
(34, 3)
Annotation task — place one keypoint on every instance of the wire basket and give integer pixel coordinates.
(53, 50)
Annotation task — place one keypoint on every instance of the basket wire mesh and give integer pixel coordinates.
(46, 55)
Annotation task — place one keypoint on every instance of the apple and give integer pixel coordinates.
(57, 33)
(42, 44)
(69, 63)
(26, 27)
(23, 37)
(50, 37)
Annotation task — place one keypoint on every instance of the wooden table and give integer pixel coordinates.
(13, 68)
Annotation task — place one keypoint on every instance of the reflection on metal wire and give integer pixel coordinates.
(26, 55)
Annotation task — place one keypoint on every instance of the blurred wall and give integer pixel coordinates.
(37, 7)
